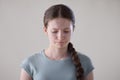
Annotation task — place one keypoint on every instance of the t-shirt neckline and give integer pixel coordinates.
(65, 59)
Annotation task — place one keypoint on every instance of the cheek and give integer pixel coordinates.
(68, 35)
(52, 36)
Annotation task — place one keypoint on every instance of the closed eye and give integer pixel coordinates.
(66, 31)
(54, 31)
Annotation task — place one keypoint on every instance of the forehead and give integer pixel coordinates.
(59, 23)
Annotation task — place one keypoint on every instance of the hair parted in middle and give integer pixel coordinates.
(63, 11)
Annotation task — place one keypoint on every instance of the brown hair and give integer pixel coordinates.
(64, 11)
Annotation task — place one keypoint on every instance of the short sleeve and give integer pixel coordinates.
(89, 66)
(26, 65)
(86, 64)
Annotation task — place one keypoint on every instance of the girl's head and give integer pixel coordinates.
(58, 11)
(59, 24)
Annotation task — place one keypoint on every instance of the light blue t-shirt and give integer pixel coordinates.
(39, 67)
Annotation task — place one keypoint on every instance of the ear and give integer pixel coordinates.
(45, 30)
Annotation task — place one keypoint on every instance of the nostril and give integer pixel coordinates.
(61, 38)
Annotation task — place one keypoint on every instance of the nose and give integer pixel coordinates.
(61, 35)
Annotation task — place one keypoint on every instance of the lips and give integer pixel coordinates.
(60, 42)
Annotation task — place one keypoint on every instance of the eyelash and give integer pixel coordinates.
(54, 31)
(66, 31)
(57, 31)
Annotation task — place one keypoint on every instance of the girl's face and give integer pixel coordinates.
(59, 32)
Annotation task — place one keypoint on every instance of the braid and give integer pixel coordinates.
(76, 61)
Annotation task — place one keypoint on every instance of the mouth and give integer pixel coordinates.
(60, 42)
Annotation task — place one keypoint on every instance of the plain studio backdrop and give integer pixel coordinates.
(97, 34)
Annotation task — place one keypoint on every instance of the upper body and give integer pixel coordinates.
(40, 67)
(62, 61)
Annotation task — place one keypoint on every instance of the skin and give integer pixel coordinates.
(59, 32)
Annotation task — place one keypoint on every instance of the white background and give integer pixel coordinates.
(97, 34)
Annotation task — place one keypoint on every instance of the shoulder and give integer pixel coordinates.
(32, 58)
(86, 63)
(35, 56)
(83, 57)
(31, 62)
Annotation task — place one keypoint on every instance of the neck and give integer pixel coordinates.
(56, 53)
